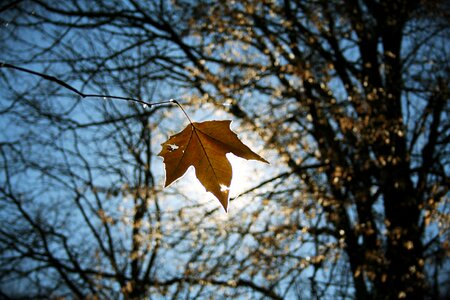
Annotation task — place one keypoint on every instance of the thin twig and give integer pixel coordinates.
(83, 95)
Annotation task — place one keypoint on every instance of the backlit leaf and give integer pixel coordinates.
(204, 146)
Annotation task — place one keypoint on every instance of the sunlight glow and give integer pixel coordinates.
(246, 174)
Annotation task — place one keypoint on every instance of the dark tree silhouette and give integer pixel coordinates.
(350, 97)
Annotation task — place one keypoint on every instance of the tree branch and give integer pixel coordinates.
(83, 95)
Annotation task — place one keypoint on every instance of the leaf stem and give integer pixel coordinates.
(181, 107)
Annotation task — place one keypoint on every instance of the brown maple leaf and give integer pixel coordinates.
(204, 146)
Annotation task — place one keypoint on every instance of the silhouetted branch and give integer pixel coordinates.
(83, 95)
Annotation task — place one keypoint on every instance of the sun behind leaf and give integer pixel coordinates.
(205, 145)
